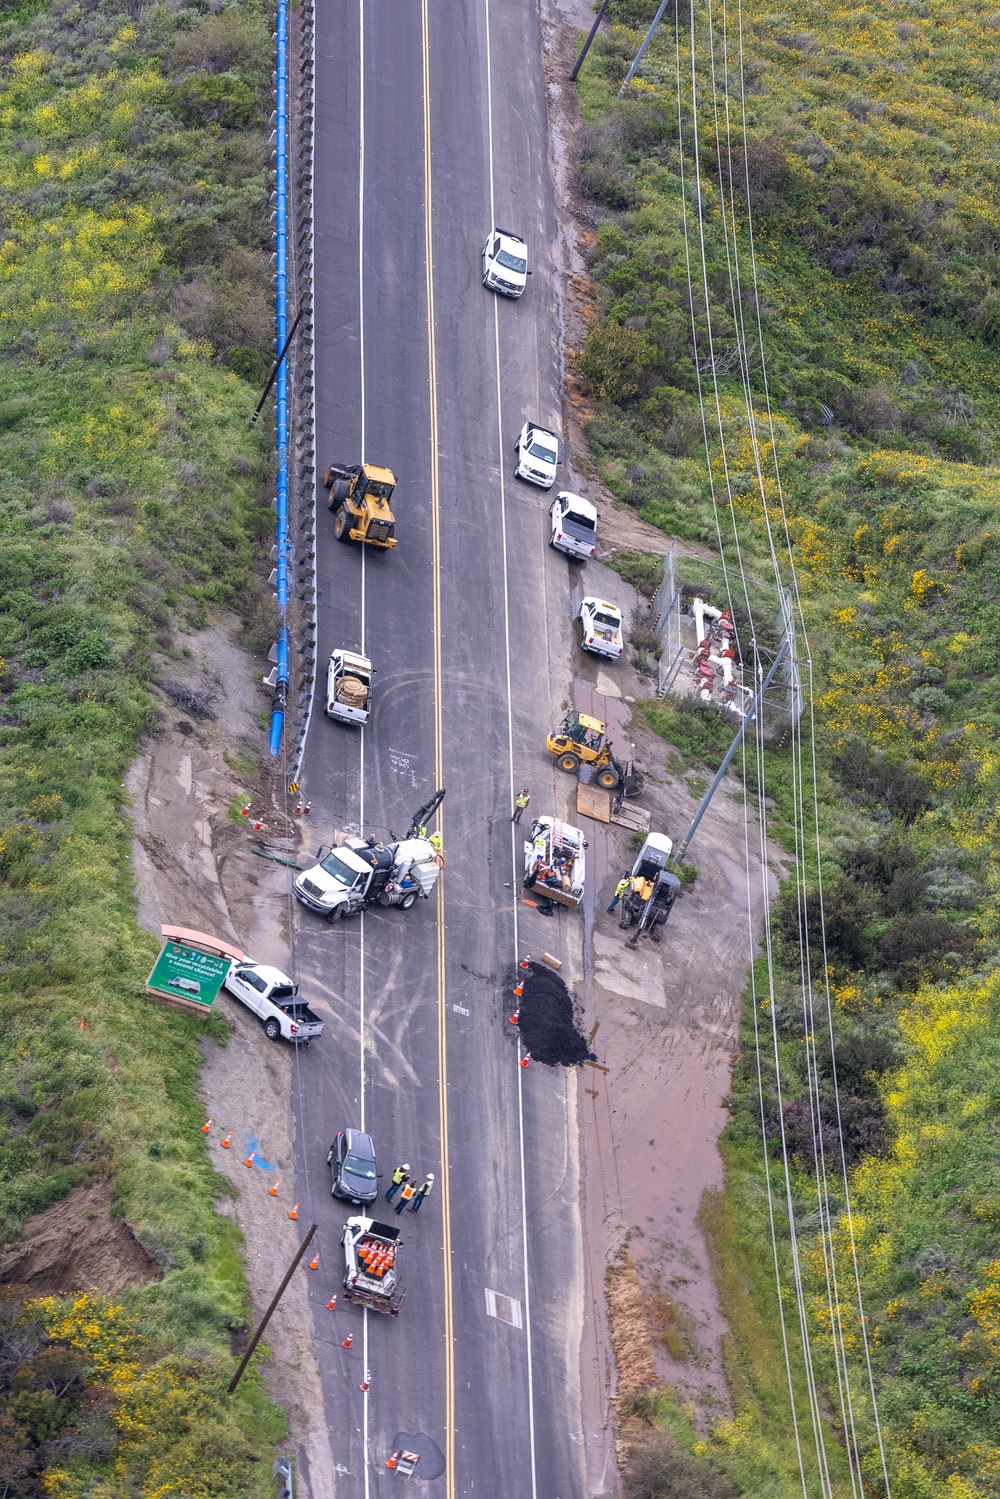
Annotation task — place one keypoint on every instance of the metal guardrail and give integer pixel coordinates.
(283, 1473)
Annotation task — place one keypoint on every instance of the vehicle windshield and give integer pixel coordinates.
(600, 618)
(545, 454)
(378, 491)
(512, 262)
(357, 1167)
(339, 870)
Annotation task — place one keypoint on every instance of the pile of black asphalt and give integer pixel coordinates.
(548, 1020)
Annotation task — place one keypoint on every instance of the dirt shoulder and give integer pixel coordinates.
(666, 1015)
(194, 865)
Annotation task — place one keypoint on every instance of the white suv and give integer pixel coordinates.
(537, 452)
(505, 263)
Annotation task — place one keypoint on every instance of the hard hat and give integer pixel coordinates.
(405, 1166)
(430, 1176)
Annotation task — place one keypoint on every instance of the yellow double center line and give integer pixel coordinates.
(449, 1311)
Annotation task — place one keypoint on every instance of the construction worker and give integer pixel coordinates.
(436, 842)
(524, 797)
(620, 890)
(399, 1176)
(421, 1192)
(408, 1193)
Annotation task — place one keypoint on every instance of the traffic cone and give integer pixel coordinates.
(348, 1340)
(245, 811)
(314, 1262)
(294, 1212)
(390, 1462)
(331, 1305)
(273, 1191)
(518, 989)
(227, 1141)
(257, 826)
(525, 960)
(515, 1017)
(526, 1059)
(363, 1385)
(83, 1025)
(207, 1126)
(306, 808)
(249, 1159)
(297, 810)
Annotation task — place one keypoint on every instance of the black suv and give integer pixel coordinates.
(352, 1167)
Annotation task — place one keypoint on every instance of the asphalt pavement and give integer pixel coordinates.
(467, 623)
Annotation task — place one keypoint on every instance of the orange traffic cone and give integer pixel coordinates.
(273, 1191)
(518, 990)
(207, 1126)
(516, 1016)
(245, 811)
(257, 825)
(525, 960)
(331, 1305)
(348, 1340)
(227, 1141)
(363, 1385)
(83, 1025)
(526, 1059)
(314, 1262)
(306, 809)
(249, 1159)
(390, 1462)
(294, 1212)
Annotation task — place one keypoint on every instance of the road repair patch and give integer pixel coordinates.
(547, 1020)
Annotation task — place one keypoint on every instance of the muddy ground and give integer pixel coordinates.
(194, 864)
(665, 1017)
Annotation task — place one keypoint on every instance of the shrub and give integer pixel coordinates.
(659, 1468)
(897, 787)
(642, 569)
(205, 99)
(613, 362)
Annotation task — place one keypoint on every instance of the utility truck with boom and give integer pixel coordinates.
(370, 1277)
(360, 871)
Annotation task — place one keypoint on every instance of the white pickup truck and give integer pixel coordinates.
(275, 999)
(349, 687)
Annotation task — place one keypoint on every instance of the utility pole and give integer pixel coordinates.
(751, 712)
(275, 368)
(268, 1314)
(586, 46)
(642, 50)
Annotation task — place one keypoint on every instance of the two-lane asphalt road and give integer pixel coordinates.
(431, 126)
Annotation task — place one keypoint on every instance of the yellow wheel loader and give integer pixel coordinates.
(360, 496)
(581, 740)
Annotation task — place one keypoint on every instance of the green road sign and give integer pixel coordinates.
(185, 974)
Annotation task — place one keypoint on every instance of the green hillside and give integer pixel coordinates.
(846, 174)
(134, 303)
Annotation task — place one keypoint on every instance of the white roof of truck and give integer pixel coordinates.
(351, 658)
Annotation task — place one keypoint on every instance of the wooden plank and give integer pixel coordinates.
(636, 818)
(594, 802)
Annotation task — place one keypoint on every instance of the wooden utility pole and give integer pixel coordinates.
(268, 1314)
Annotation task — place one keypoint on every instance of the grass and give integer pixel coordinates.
(872, 181)
(134, 317)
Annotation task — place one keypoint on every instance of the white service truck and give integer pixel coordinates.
(349, 687)
(370, 1277)
(275, 999)
(554, 864)
(359, 871)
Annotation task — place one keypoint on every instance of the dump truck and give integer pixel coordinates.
(360, 495)
(370, 1277)
(652, 890)
(349, 687)
(554, 864)
(359, 871)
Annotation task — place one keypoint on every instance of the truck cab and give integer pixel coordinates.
(275, 1000)
(349, 687)
(359, 871)
(505, 263)
(574, 525)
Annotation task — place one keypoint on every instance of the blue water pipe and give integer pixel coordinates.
(280, 700)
